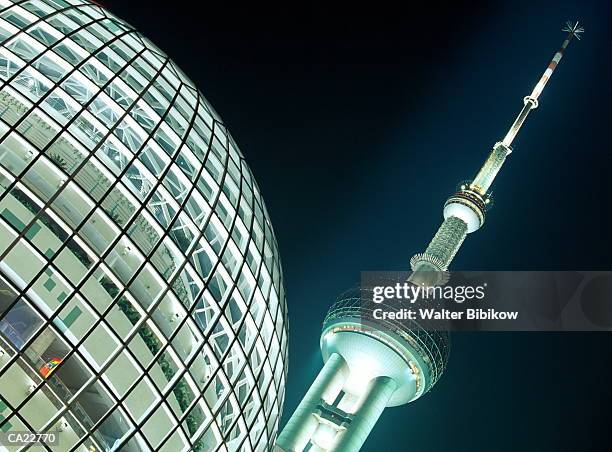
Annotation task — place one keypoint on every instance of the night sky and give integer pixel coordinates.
(358, 122)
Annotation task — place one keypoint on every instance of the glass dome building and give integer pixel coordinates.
(141, 294)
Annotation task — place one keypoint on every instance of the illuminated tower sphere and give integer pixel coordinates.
(369, 365)
(141, 296)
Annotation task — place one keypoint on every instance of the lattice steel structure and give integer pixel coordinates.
(141, 295)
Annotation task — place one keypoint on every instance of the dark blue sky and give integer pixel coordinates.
(358, 122)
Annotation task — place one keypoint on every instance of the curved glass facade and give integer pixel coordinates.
(141, 295)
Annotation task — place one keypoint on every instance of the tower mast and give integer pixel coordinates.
(464, 211)
(531, 101)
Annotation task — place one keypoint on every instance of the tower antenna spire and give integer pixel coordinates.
(573, 29)
(464, 212)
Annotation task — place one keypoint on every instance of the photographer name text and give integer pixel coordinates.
(443, 314)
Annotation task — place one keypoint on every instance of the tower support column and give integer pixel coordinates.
(371, 406)
(440, 252)
(303, 423)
